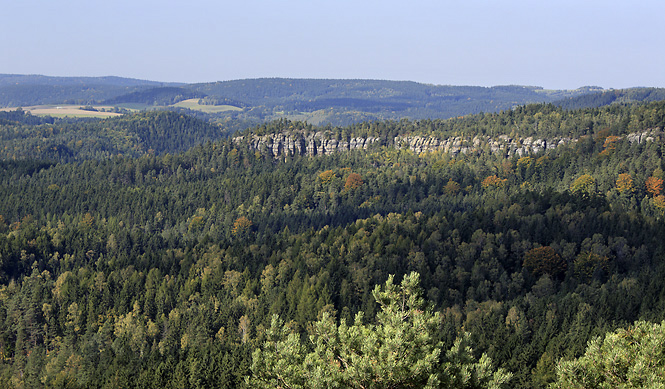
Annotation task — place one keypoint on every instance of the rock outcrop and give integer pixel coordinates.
(326, 143)
(502, 144)
(318, 143)
(650, 135)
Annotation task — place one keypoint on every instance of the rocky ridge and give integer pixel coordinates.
(326, 143)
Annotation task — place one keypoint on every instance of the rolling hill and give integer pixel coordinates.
(239, 104)
(318, 101)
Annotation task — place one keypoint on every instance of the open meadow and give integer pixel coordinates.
(193, 104)
(65, 111)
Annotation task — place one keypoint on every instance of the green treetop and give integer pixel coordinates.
(627, 358)
(399, 351)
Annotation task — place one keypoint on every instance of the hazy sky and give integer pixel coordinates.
(554, 44)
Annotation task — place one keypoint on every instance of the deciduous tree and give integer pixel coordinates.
(654, 185)
(353, 181)
(584, 185)
(494, 182)
(544, 260)
(624, 184)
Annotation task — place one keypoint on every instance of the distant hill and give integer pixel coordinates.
(155, 96)
(351, 101)
(36, 79)
(26, 90)
(618, 96)
(285, 90)
(316, 101)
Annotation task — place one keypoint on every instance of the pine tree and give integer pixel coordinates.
(399, 351)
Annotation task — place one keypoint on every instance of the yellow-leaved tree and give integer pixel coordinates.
(625, 184)
(584, 185)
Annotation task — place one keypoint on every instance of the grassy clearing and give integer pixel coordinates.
(193, 104)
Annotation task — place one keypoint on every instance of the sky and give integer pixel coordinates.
(561, 44)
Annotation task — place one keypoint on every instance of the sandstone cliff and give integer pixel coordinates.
(326, 143)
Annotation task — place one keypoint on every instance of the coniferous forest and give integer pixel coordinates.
(157, 250)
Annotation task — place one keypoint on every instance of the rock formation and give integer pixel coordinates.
(326, 143)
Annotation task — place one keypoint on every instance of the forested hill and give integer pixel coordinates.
(519, 131)
(25, 90)
(619, 96)
(155, 132)
(318, 101)
(162, 269)
(160, 96)
(343, 102)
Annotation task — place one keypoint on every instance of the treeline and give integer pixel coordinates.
(155, 96)
(165, 270)
(18, 116)
(533, 120)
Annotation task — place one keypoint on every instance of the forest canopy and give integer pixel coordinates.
(157, 250)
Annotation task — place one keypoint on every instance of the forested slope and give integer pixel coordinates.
(29, 137)
(164, 270)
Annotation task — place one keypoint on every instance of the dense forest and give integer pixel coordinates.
(157, 250)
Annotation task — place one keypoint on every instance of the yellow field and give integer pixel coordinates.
(193, 104)
(64, 111)
(75, 111)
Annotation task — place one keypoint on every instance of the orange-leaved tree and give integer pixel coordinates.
(610, 144)
(241, 227)
(654, 185)
(353, 181)
(494, 182)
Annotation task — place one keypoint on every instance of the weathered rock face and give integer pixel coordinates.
(294, 143)
(323, 143)
(502, 144)
(650, 135)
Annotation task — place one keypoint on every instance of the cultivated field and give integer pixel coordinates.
(64, 111)
(76, 111)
